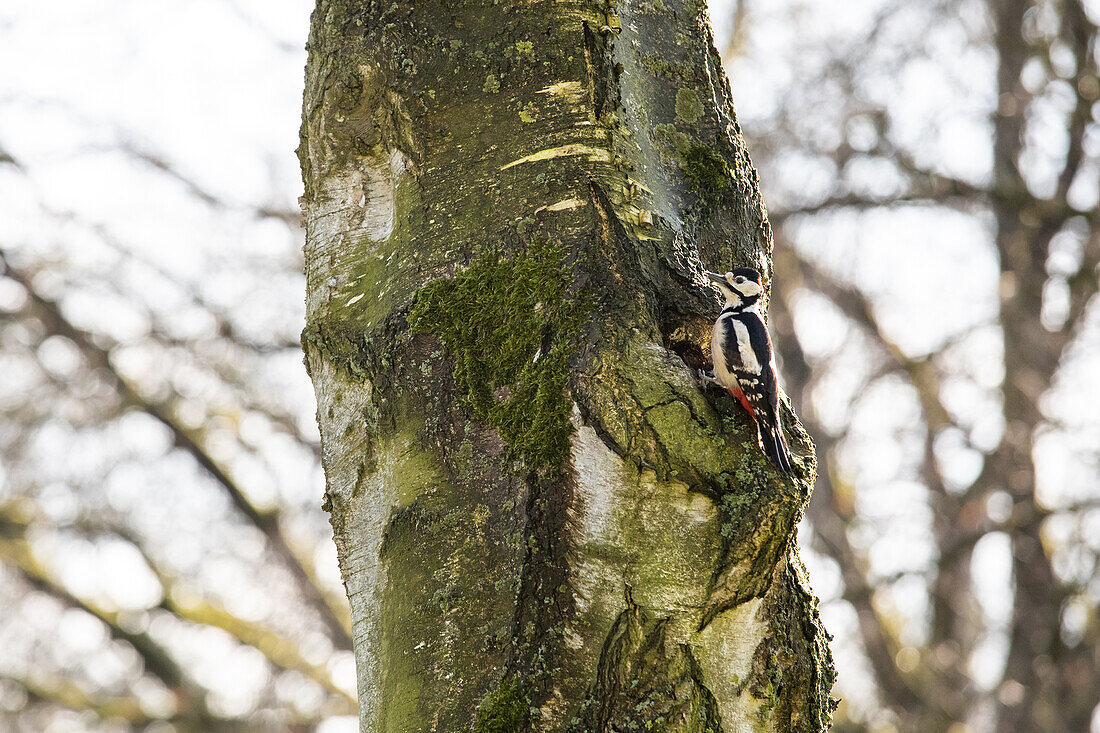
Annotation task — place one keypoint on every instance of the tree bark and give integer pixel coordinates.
(543, 522)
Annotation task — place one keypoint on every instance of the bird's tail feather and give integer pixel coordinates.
(775, 446)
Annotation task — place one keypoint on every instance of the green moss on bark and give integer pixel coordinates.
(504, 710)
(511, 325)
(707, 171)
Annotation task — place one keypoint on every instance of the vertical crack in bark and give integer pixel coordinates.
(645, 680)
(544, 603)
(603, 73)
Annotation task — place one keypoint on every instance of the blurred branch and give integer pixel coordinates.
(1083, 284)
(124, 143)
(1032, 356)
(66, 693)
(224, 325)
(828, 519)
(927, 187)
(738, 30)
(16, 552)
(245, 398)
(942, 696)
(856, 306)
(250, 20)
(7, 158)
(291, 217)
(267, 521)
(1046, 675)
(1080, 35)
(188, 605)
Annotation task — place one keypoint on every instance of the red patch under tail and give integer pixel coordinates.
(744, 400)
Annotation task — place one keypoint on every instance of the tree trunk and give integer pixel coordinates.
(1046, 683)
(543, 522)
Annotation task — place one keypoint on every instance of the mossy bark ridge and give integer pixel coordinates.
(542, 522)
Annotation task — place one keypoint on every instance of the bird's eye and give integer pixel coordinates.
(740, 279)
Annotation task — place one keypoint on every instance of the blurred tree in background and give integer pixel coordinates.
(931, 171)
(166, 563)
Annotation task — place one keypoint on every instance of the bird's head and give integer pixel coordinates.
(741, 285)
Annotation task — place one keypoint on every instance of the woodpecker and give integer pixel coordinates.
(743, 361)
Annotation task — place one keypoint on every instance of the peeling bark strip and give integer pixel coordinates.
(542, 522)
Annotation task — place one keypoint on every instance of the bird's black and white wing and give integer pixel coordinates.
(756, 376)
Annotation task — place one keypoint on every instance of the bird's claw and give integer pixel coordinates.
(704, 377)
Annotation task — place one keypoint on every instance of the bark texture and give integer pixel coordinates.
(542, 521)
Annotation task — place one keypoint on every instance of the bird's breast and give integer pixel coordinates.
(719, 338)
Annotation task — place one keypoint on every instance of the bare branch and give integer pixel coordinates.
(292, 218)
(268, 522)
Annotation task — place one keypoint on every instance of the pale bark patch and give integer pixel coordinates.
(657, 537)
(361, 500)
(572, 149)
(725, 650)
(662, 540)
(573, 92)
(355, 207)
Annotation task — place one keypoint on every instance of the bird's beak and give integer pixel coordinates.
(715, 277)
